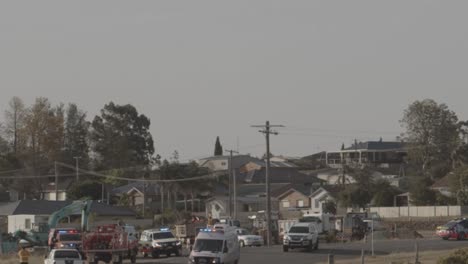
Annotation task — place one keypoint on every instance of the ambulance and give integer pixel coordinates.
(216, 245)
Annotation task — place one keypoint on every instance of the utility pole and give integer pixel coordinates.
(77, 168)
(232, 184)
(267, 131)
(56, 181)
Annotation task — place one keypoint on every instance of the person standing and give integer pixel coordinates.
(23, 253)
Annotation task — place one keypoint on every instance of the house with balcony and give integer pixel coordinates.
(381, 154)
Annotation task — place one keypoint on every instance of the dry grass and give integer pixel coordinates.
(427, 257)
(13, 259)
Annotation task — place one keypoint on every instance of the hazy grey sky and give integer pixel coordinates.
(330, 71)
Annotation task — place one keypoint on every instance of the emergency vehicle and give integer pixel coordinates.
(215, 245)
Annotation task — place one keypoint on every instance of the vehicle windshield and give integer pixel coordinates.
(162, 235)
(212, 245)
(451, 224)
(299, 229)
(66, 254)
(70, 237)
(243, 232)
(308, 219)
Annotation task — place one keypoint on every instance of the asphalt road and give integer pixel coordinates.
(341, 251)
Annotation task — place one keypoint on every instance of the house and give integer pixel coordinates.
(292, 198)
(137, 192)
(442, 185)
(246, 206)
(30, 215)
(322, 195)
(221, 163)
(334, 176)
(377, 153)
(277, 175)
(49, 191)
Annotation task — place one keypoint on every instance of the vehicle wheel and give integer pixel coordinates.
(145, 255)
(285, 249)
(316, 245)
(133, 258)
(177, 252)
(155, 254)
(461, 236)
(236, 262)
(242, 244)
(310, 247)
(445, 238)
(120, 260)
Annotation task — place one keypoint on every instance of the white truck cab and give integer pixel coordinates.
(217, 245)
(64, 256)
(301, 235)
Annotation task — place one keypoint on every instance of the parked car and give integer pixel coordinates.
(454, 229)
(64, 256)
(246, 238)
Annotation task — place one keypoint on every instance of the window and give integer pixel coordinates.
(27, 223)
(285, 203)
(300, 203)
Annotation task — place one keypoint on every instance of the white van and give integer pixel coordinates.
(215, 246)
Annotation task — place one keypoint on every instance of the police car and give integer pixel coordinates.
(156, 242)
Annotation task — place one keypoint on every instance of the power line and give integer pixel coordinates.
(208, 176)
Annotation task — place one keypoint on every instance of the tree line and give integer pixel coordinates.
(116, 142)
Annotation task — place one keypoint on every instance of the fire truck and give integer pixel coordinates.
(109, 243)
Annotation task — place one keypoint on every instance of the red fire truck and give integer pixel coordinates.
(109, 243)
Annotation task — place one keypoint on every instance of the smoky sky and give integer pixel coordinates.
(330, 71)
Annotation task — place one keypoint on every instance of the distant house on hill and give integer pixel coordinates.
(221, 163)
(49, 191)
(378, 153)
(137, 192)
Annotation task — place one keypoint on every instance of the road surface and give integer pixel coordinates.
(341, 251)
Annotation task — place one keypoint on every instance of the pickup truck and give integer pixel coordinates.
(301, 235)
(64, 256)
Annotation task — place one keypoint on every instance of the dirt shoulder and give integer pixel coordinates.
(425, 257)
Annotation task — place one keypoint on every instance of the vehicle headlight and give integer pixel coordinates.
(216, 261)
(178, 243)
(286, 237)
(156, 244)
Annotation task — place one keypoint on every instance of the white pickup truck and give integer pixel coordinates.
(64, 256)
(301, 235)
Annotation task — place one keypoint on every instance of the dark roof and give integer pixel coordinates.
(151, 188)
(39, 207)
(442, 182)
(8, 208)
(277, 175)
(257, 189)
(63, 184)
(43, 207)
(377, 145)
(103, 209)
